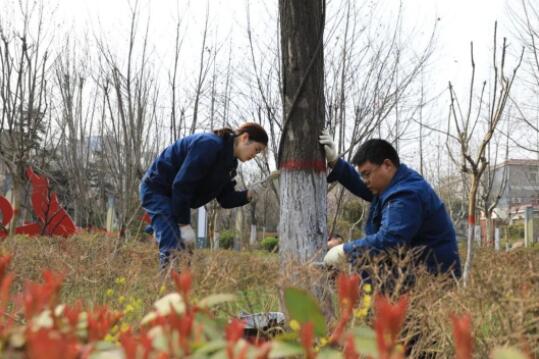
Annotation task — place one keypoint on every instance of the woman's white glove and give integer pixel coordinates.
(256, 188)
(335, 255)
(329, 146)
(188, 236)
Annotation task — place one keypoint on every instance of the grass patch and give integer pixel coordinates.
(502, 296)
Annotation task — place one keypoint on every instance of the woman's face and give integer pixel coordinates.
(246, 149)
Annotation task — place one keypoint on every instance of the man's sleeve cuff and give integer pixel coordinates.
(336, 173)
(348, 247)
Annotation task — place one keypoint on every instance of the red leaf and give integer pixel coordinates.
(388, 323)
(462, 332)
(306, 336)
(51, 344)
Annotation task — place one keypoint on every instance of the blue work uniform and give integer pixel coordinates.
(188, 174)
(407, 213)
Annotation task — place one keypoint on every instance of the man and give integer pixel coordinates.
(404, 210)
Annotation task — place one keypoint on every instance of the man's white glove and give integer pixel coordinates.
(329, 146)
(256, 188)
(188, 236)
(335, 255)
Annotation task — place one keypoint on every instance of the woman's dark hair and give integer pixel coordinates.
(254, 130)
(376, 151)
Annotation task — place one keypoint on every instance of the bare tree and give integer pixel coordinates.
(176, 124)
(77, 109)
(24, 94)
(525, 16)
(493, 184)
(130, 98)
(302, 231)
(465, 129)
(371, 87)
(203, 70)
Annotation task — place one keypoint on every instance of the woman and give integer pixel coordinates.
(190, 173)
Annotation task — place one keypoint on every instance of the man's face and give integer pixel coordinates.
(377, 177)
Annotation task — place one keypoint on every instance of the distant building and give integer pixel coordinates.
(517, 183)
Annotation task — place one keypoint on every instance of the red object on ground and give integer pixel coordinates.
(7, 211)
(53, 217)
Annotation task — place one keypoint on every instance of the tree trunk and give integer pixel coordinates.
(252, 236)
(472, 198)
(303, 228)
(303, 184)
(238, 225)
(302, 232)
(489, 240)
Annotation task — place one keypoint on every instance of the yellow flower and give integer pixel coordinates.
(162, 290)
(109, 338)
(121, 299)
(324, 341)
(109, 292)
(120, 280)
(361, 312)
(128, 309)
(294, 325)
(367, 301)
(124, 327)
(367, 288)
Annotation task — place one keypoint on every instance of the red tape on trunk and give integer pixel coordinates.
(471, 219)
(318, 166)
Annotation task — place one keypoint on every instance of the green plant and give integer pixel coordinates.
(226, 239)
(516, 231)
(270, 244)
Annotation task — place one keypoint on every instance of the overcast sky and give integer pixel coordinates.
(458, 23)
(461, 21)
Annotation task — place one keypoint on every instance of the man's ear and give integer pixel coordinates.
(388, 163)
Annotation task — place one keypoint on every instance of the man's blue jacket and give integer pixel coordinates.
(407, 213)
(193, 171)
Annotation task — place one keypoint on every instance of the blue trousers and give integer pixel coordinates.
(164, 224)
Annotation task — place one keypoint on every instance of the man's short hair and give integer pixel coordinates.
(376, 151)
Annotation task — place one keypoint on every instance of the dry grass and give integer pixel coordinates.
(502, 296)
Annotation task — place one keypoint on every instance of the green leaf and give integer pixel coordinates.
(285, 350)
(507, 353)
(287, 337)
(108, 354)
(365, 341)
(239, 347)
(209, 348)
(327, 353)
(304, 308)
(221, 354)
(212, 329)
(216, 299)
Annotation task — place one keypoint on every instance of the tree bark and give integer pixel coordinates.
(472, 198)
(302, 228)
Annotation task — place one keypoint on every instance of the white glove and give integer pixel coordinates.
(329, 146)
(188, 236)
(258, 187)
(335, 255)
